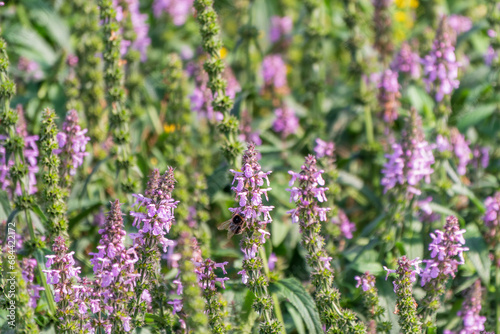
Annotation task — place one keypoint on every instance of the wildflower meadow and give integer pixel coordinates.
(250, 166)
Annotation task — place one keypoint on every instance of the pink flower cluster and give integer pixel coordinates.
(446, 252)
(274, 71)
(28, 274)
(407, 61)
(72, 143)
(280, 27)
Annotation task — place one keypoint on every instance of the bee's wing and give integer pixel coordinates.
(230, 233)
(224, 225)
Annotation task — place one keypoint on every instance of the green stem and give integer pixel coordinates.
(41, 266)
(369, 125)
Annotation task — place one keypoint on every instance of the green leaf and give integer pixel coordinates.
(291, 289)
(445, 211)
(84, 213)
(357, 183)
(38, 211)
(476, 115)
(478, 252)
(296, 317)
(463, 190)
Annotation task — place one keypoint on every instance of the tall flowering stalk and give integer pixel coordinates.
(64, 276)
(207, 278)
(310, 215)
(371, 301)
(411, 159)
(119, 116)
(446, 255)
(72, 145)
(441, 67)
(249, 191)
(52, 194)
(407, 61)
(214, 66)
(473, 322)
(406, 306)
(116, 276)
(153, 226)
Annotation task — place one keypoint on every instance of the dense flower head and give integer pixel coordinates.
(286, 122)
(410, 161)
(280, 27)
(446, 253)
(308, 193)
(388, 95)
(407, 61)
(207, 278)
(155, 223)
(274, 71)
(345, 226)
(249, 188)
(72, 143)
(440, 65)
(459, 147)
(324, 148)
(114, 269)
(366, 281)
(179, 10)
(492, 219)
(407, 268)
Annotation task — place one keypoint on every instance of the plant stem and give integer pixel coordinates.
(369, 125)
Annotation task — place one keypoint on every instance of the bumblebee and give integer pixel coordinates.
(235, 225)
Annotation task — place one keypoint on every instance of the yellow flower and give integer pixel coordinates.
(223, 53)
(414, 3)
(154, 161)
(168, 128)
(401, 16)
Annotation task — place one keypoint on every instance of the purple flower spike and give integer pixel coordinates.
(441, 66)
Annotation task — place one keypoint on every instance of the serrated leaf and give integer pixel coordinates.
(296, 317)
(478, 252)
(291, 289)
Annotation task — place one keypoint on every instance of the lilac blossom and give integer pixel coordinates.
(250, 187)
(473, 322)
(440, 65)
(286, 122)
(446, 253)
(461, 150)
(114, 269)
(481, 157)
(309, 193)
(201, 98)
(366, 281)
(459, 24)
(30, 68)
(345, 226)
(491, 219)
(324, 148)
(280, 27)
(64, 276)
(179, 10)
(407, 61)
(141, 28)
(271, 262)
(274, 71)
(72, 143)
(388, 95)
(411, 160)
(30, 154)
(28, 274)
